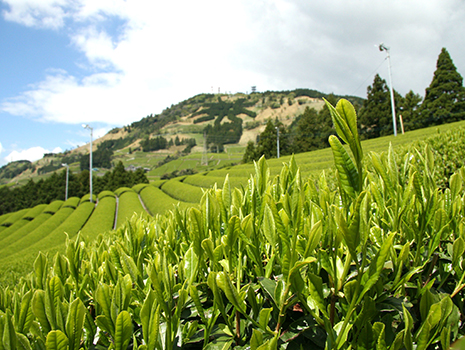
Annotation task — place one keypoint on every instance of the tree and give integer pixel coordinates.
(376, 114)
(306, 131)
(445, 97)
(409, 110)
(267, 143)
(312, 129)
(250, 153)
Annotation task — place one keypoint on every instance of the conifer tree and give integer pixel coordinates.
(250, 153)
(445, 97)
(409, 109)
(312, 130)
(376, 115)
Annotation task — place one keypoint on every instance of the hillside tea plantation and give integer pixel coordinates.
(371, 260)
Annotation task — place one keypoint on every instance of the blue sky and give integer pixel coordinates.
(109, 63)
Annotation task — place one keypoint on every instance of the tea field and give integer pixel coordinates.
(368, 254)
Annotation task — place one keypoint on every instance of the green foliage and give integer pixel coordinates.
(209, 181)
(177, 173)
(158, 202)
(13, 169)
(181, 191)
(4, 217)
(129, 204)
(376, 113)
(375, 262)
(43, 191)
(49, 168)
(102, 219)
(154, 144)
(267, 143)
(15, 217)
(138, 188)
(372, 262)
(223, 132)
(34, 236)
(23, 221)
(119, 177)
(312, 129)
(32, 214)
(101, 157)
(8, 238)
(55, 237)
(444, 100)
(409, 109)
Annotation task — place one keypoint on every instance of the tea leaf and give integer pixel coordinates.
(56, 340)
(348, 174)
(123, 330)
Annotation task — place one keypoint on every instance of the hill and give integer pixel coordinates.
(224, 122)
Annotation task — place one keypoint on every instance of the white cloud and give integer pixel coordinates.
(167, 51)
(1, 148)
(37, 13)
(31, 154)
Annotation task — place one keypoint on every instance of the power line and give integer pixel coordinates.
(371, 74)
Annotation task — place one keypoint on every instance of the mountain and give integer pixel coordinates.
(219, 122)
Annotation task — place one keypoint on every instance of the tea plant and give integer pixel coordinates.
(372, 261)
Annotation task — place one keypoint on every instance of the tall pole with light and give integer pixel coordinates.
(86, 126)
(67, 177)
(383, 47)
(277, 141)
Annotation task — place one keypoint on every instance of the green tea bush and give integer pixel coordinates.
(15, 217)
(104, 194)
(24, 231)
(139, 187)
(158, 183)
(32, 214)
(102, 219)
(4, 217)
(181, 191)
(86, 198)
(29, 216)
(50, 243)
(121, 190)
(72, 202)
(53, 207)
(158, 202)
(208, 181)
(37, 234)
(67, 229)
(128, 205)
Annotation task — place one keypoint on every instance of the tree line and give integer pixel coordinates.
(53, 188)
(159, 142)
(444, 102)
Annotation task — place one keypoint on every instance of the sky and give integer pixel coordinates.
(108, 63)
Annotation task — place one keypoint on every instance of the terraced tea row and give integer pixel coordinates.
(45, 228)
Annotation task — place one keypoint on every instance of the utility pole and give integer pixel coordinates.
(277, 139)
(67, 177)
(382, 47)
(86, 126)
